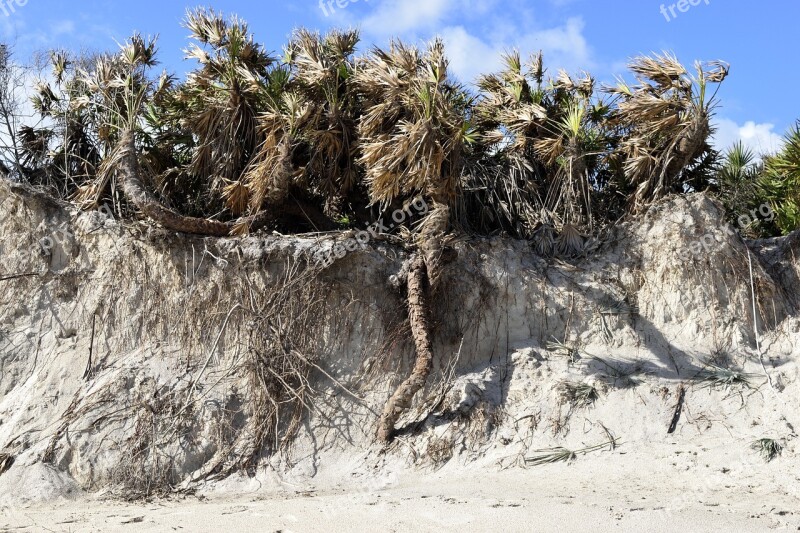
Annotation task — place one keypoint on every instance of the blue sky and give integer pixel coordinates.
(758, 99)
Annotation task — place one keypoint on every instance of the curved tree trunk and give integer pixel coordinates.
(127, 163)
(423, 279)
(419, 316)
(129, 171)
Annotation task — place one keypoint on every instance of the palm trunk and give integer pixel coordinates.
(147, 203)
(423, 279)
(419, 316)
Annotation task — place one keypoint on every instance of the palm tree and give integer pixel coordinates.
(121, 94)
(74, 161)
(412, 138)
(544, 146)
(505, 183)
(781, 182)
(219, 103)
(309, 132)
(738, 183)
(572, 146)
(665, 123)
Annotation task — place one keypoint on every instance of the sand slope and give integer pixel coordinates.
(175, 326)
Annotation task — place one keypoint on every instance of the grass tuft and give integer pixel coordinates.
(768, 448)
(578, 394)
(725, 378)
(565, 350)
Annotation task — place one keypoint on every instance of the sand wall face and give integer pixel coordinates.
(138, 361)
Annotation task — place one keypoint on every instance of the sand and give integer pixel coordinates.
(670, 489)
(166, 402)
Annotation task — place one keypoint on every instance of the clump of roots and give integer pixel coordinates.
(287, 335)
(149, 468)
(268, 397)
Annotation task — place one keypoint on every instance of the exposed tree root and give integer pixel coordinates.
(283, 349)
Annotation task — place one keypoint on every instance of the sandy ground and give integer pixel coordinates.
(679, 488)
(639, 323)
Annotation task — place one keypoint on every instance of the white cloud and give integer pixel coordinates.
(475, 32)
(469, 55)
(761, 138)
(563, 47)
(62, 27)
(397, 17)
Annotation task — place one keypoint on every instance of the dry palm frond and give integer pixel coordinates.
(537, 69)
(586, 86)
(570, 241)
(716, 71)
(560, 454)
(564, 81)
(236, 195)
(768, 448)
(664, 69)
(578, 394)
(551, 455)
(544, 240)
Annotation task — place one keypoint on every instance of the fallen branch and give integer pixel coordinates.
(676, 416)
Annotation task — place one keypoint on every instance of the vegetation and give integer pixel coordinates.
(781, 182)
(561, 454)
(578, 394)
(718, 377)
(323, 137)
(769, 449)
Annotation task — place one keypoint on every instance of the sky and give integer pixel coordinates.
(758, 101)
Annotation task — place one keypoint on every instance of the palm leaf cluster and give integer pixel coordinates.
(545, 148)
(665, 126)
(350, 136)
(763, 189)
(780, 182)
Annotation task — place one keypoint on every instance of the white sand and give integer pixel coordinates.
(161, 300)
(670, 490)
